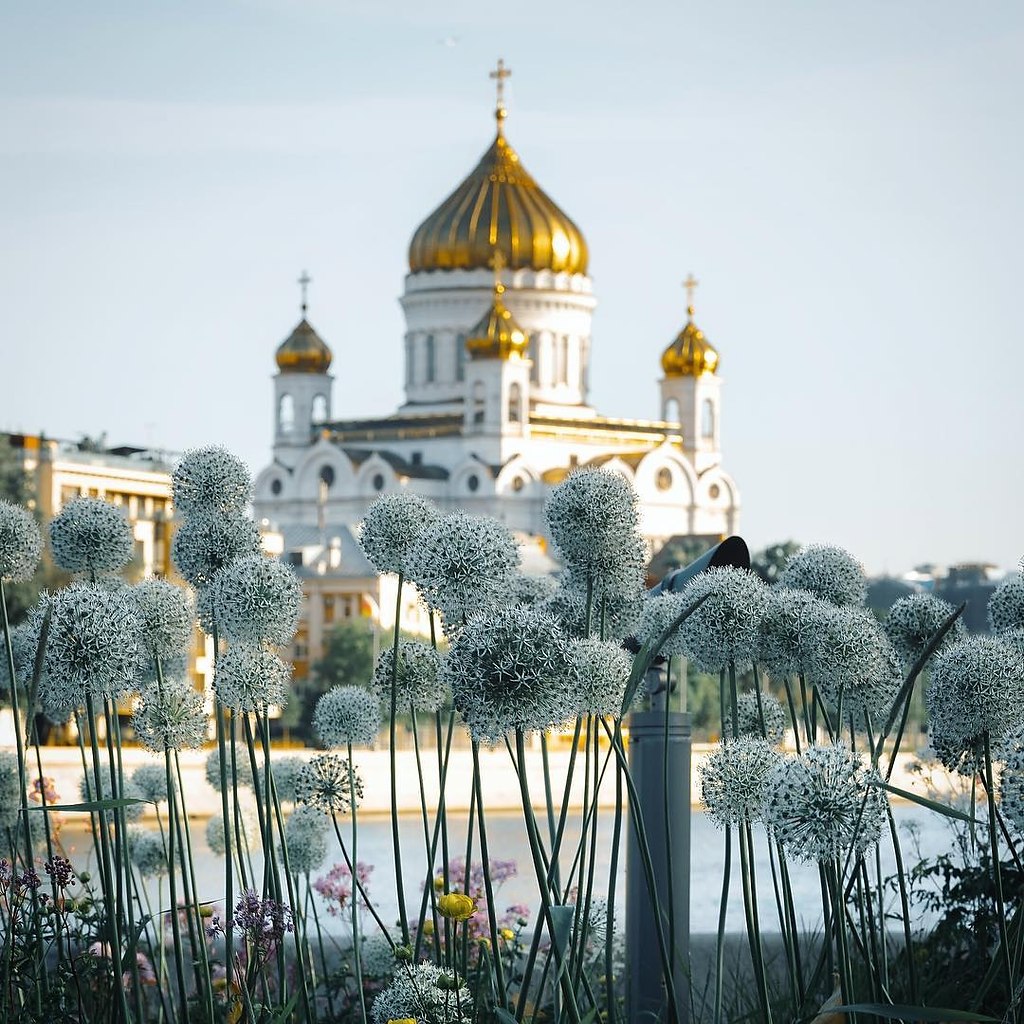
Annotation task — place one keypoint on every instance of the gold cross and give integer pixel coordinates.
(304, 282)
(498, 263)
(499, 74)
(690, 284)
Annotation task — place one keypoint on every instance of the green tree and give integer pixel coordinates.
(770, 561)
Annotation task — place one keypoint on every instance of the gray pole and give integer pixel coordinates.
(646, 998)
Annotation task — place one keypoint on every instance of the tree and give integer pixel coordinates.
(770, 562)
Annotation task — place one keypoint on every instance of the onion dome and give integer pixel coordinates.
(303, 351)
(691, 354)
(498, 205)
(497, 335)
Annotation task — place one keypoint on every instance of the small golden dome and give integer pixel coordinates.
(498, 205)
(691, 354)
(303, 351)
(497, 335)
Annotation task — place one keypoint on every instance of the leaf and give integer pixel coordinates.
(914, 1013)
(91, 805)
(561, 920)
(934, 805)
(500, 1013)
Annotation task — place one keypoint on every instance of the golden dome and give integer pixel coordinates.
(497, 335)
(303, 351)
(691, 354)
(499, 205)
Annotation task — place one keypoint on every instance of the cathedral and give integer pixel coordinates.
(498, 307)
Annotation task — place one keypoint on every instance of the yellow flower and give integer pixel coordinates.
(428, 927)
(456, 905)
(507, 934)
(402, 1020)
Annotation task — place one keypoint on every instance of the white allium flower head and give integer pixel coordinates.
(378, 955)
(418, 680)
(726, 627)
(206, 612)
(237, 764)
(305, 835)
(93, 536)
(620, 611)
(529, 590)
(167, 616)
(600, 672)
(788, 625)
(813, 804)
(977, 686)
(210, 479)
(151, 782)
(392, 526)
(1011, 787)
(10, 789)
(1006, 605)
(912, 621)
(20, 543)
(734, 777)
(828, 572)
(749, 713)
(146, 849)
(248, 826)
(24, 644)
(208, 542)
(170, 716)
(286, 771)
(92, 647)
(660, 611)
(461, 564)
(850, 654)
(510, 670)
(415, 992)
(89, 791)
(347, 714)
(324, 783)
(249, 678)
(258, 599)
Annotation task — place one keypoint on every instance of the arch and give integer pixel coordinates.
(478, 402)
(375, 476)
(654, 471)
(707, 419)
(321, 457)
(319, 413)
(286, 413)
(263, 485)
(515, 403)
(670, 410)
(517, 479)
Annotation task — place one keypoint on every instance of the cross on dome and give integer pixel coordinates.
(304, 282)
(690, 284)
(499, 74)
(498, 263)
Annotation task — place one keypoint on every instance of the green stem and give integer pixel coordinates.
(396, 839)
(357, 951)
(492, 920)
(993, 833)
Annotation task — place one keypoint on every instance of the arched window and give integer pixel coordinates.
(707, 419)
(460, 357)
(319, 413)
(408, 360)
(286, 413)
(431, 359)
(671, 412)
(478, 402)
(515, 404)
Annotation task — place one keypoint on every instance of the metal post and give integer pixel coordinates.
(652, 768)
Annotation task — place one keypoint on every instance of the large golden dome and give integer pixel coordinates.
(691, 354)
(303, 351)
(498, 206)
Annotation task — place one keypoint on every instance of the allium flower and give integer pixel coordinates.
(263, 924)
(347, 714)
(324, 783)
(600, 673)
(20, 543)
(392, 526)
(210, 479)
(305, 834)
(529, 590)
(378, 956)
(510, 670)
(417, 682)
(912, 621)
(734, 777)
(248, 827)
(748, 715)
(726, 627)
(462, 564)
(92, 647)
(1006, 605)
(206, 610)
(830, 573)
(248, 678)
(850, 655)
(237, 764)
(620, 612)
(89, 535)
(977, 687)
(170, 717)
(286, 771)
(167, 615)
(258, 599)
(425, 993)
(151, 781)
(822, 803)
(660, 611)
(204, 544)
(1011, 787)
(24, 644)
(788, 625)
(10, 789)
(146, 849)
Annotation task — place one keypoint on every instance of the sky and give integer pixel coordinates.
(844, 180)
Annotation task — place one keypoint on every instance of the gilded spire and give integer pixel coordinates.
(691, 354)
(499, 74)
(304, 351)
(497, 335)
(304, 282)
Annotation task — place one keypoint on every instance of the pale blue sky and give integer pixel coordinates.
(844, 179)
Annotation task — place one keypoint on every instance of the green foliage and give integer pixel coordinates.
(770, 561)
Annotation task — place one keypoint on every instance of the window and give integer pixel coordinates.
(714, 491)
(473, 482)
(378, 481)
(319, 409)
(328, 607)
(663, 479)
(671, 413)
(408, 360)
(327, 475)
(707, 419)
(515, 403)
(431, 359)
(276, 487)
(286, 413)
(478, 403)
(460, 357)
